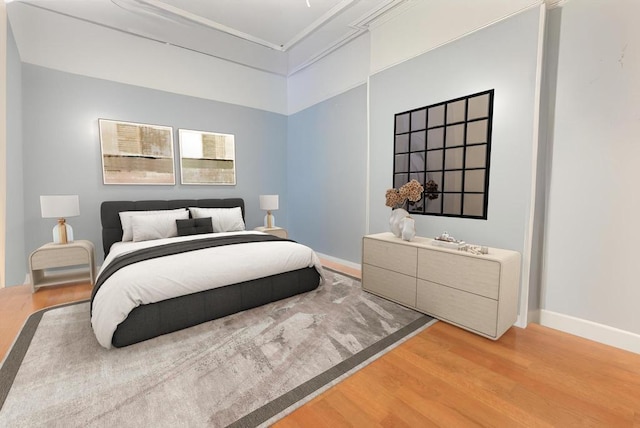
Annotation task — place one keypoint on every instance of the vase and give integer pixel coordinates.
(408, 226)
(394, 221)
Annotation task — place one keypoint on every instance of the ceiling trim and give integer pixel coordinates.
(317, 23)
(359, 27)
(361, 24)
(165, 11)
(551, 4)
(156, 40)
(172, 10)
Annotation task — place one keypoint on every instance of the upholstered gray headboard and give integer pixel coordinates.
(110, 218)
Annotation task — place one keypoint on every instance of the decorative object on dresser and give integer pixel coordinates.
(60, 206)
(277, 231)
(269, 203)
(395, 221)
(476, 292)
(408, 228)
(447, 241)
(408, 194)
(46, 262)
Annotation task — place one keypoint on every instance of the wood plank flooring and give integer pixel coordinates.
(445, 376)
(18, 302)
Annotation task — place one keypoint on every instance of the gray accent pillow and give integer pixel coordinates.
(194, 226)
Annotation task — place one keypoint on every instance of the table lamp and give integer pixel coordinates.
(269, 203)
(60, 206)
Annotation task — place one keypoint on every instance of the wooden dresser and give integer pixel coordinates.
(476, 292)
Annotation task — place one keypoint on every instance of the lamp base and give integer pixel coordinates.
(269, 220)
(62, 233)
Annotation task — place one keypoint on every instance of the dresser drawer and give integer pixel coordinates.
(389, 284)
(472, 274)
(396, 257)
(470, 311)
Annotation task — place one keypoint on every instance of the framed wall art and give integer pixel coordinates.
(207, 157)
(136, 153)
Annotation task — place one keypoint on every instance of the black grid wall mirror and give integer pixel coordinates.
(446, 147)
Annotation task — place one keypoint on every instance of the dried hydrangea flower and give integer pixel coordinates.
(393, 198)
(412, 191)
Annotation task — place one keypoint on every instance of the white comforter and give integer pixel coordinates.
(163, 278)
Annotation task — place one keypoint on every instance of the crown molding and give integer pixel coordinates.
(552, 4)
(358, 27)
(164, 9)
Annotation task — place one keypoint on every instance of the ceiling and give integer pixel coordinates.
(277, 36)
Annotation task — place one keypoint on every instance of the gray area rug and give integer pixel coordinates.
(247, 369)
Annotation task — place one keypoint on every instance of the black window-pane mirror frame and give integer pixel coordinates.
(437, 113)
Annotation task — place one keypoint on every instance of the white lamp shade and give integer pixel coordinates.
(59, 206)
(269, 202)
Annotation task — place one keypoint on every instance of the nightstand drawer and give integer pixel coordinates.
(45, 259)
(472, 274)
(470, 311)
(275, 231)
(389, 284)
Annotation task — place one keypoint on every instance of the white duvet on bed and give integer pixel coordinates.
(163, 278)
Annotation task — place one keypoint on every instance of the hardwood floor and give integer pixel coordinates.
(446, 376)
(449, 377)
(17, 303)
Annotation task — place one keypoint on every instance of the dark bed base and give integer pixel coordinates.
(148, 321)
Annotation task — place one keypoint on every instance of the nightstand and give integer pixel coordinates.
(47, 263)
(276, 231)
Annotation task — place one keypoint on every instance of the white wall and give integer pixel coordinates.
(55, 41)
(426, 25)
(418, 27)
(590, 282)
(334, 74)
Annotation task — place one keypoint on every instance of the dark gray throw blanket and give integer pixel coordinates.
(174, 248)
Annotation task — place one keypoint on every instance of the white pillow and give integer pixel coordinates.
(222, 219)
(125, 219)
(156, 226)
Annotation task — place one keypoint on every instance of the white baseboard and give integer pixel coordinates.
(341, 261)
(590, 330)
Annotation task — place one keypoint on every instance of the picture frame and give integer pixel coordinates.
(136, 153)
(207, 158)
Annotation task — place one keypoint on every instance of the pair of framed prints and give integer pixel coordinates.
(138, 153)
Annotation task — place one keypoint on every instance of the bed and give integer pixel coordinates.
(150, 287)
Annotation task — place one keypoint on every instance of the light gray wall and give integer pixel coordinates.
(592, 228)
(327, 161)
(15, 260)
(501, 57)
(62, 147)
